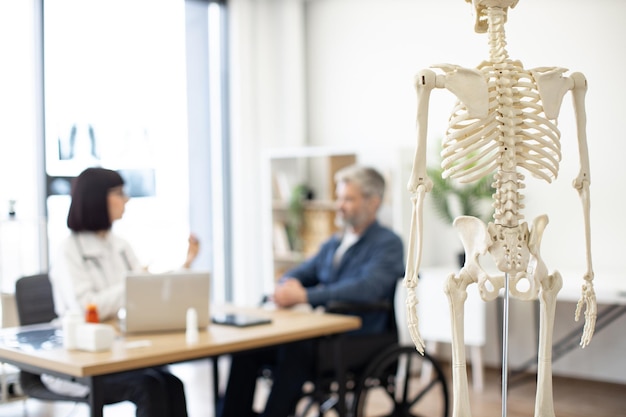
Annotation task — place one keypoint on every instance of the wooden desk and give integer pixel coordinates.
(141, 351)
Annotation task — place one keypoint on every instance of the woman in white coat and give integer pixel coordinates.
(90, 268)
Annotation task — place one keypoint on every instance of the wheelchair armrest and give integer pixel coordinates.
(341, 307)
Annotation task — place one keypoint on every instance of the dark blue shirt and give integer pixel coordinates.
(367, 273)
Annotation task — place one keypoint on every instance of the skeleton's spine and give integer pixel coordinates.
(508, 181)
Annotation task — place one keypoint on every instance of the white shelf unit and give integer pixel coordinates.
(285, 169)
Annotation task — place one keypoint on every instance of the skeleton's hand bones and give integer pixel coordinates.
(588, 299)
(411, 303)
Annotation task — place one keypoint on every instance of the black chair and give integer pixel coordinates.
(33, 298)
(35, 304)
(384, 378)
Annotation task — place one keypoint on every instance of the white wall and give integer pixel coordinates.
(362, 56)
(267, 111)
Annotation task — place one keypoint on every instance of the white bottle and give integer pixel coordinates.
(192, 326)
(71, 321)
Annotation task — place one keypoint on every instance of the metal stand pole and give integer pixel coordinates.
(505, 344)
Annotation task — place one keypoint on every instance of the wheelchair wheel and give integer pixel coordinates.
(324, 402)
(400, 382)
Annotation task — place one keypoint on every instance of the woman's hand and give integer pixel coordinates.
(192, 251)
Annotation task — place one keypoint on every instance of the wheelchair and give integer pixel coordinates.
(383, 377)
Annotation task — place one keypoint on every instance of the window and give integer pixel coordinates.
(115, 97)
(132, 85)
(21, 214)
(136, 92)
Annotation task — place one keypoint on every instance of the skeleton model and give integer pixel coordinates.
(504, 122)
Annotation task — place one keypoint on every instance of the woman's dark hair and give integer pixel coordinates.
(89, 210)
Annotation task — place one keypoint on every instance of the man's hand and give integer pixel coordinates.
(289, 293)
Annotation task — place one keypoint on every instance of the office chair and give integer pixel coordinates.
(35, 304)
(33, 298)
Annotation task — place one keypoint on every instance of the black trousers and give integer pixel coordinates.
(155, 392)
(291, 366)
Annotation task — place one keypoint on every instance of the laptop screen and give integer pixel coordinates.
(159, 302)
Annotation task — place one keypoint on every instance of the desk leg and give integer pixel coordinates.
(96, 396)
(216, 384)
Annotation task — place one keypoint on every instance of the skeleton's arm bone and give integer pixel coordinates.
(412, 268)
(425, 82)
(583, 180)
(578, 94)
(419, 184)
(581, 183)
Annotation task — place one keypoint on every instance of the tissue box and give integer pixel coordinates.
(94, 337)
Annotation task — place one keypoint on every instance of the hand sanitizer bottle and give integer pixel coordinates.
(192, 326)
(71, 321)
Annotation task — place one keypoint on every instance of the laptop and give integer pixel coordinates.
(159, 302)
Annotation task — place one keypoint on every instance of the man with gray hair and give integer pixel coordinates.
(360, 264)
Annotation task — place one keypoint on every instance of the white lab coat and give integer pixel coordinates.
(90, 269)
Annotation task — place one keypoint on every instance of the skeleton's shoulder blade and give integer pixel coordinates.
(552, 86)
(469, 86)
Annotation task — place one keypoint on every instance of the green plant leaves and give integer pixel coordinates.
(452, 199)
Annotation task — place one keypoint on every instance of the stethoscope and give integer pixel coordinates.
(95, 260)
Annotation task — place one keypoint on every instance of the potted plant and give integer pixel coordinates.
(452, 199)
(299, 196)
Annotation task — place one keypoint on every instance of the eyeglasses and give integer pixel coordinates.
(118, 191)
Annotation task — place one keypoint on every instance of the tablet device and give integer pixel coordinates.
(239, 320)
